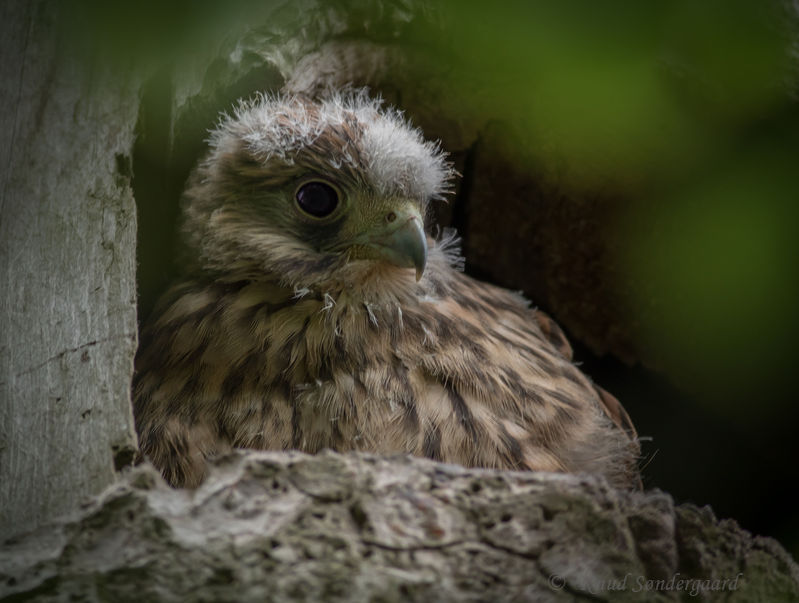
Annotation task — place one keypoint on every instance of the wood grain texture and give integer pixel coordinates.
(67, 265)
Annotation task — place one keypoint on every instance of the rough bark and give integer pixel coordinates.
(287, 526)
(281, 526)
(67, 304)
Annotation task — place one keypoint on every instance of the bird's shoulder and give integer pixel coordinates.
(493, 346)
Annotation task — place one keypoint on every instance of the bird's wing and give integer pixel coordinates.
(610, 404)
(616, 412)
(554, 334)
(493, 382)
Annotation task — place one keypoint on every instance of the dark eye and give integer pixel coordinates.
(317, 198)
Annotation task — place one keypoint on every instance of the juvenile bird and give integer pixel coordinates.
(318, 314)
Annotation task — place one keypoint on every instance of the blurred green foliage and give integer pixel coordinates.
(151, 32)
(632, 91)
(716, 255)
(681, 109)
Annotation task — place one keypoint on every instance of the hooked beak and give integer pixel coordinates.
(401, 241)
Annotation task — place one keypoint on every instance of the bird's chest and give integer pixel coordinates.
(315, 376)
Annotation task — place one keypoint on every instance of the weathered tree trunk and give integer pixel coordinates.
(272, 526)
(67, 301)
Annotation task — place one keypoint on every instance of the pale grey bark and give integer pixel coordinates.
(270, 526)
(67, 264)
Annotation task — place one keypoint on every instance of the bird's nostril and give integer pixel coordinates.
(391, 217)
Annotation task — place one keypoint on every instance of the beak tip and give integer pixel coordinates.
(420, 257)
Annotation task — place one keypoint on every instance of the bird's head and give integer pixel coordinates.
(305, 190)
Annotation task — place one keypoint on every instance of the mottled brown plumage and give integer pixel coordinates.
(299, 331)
